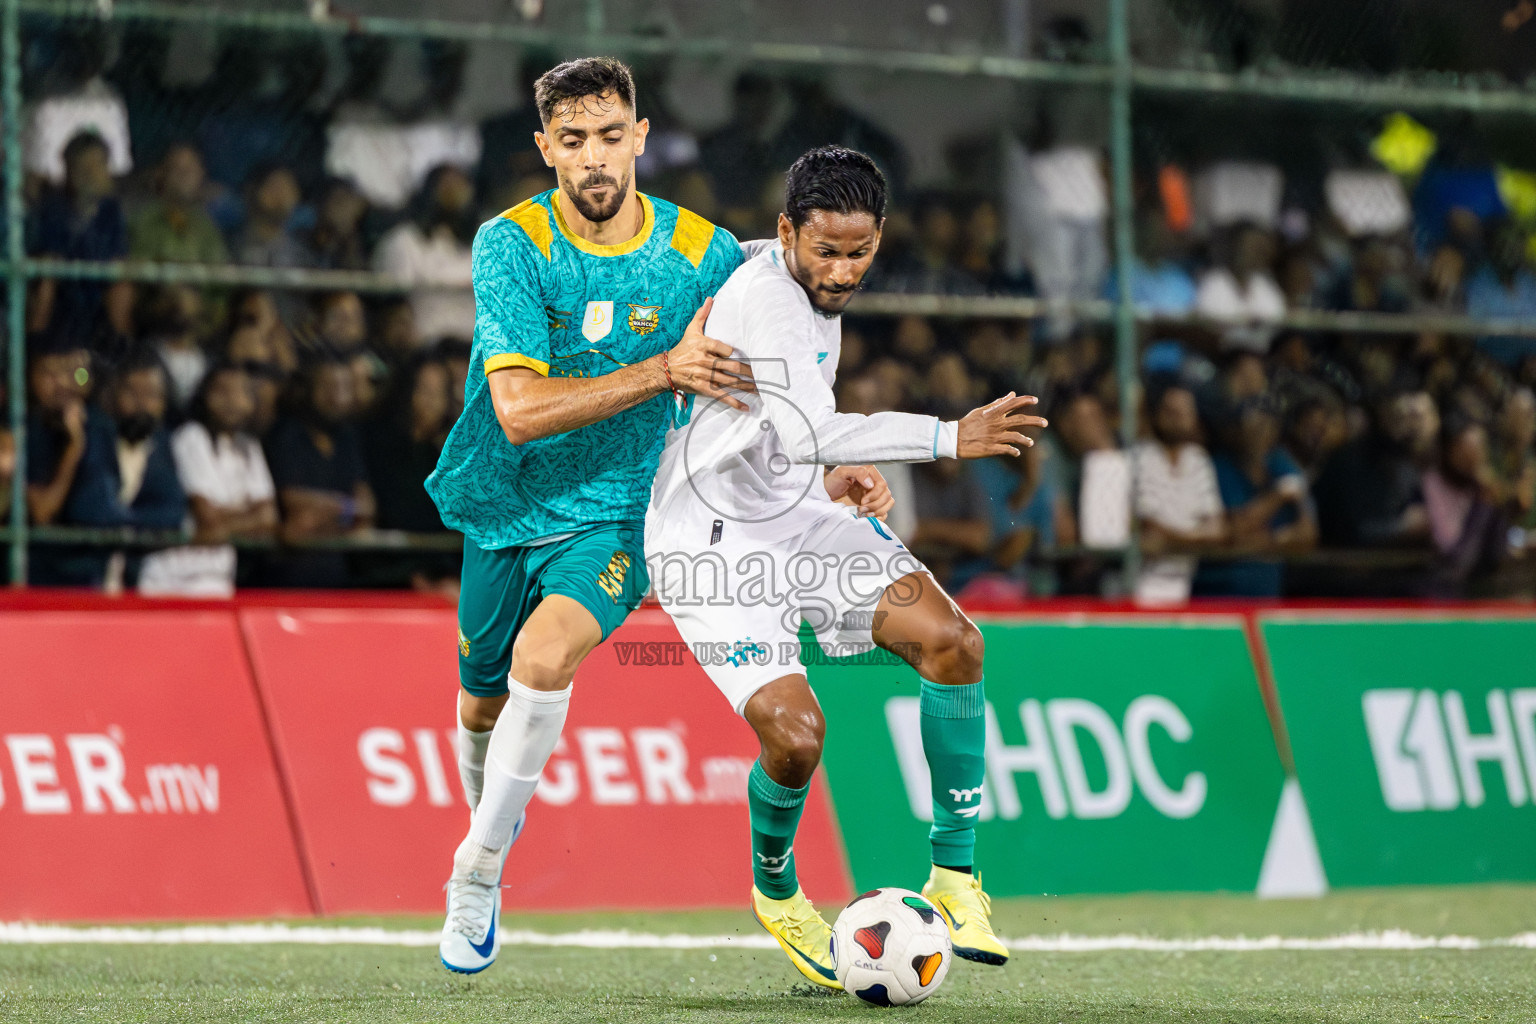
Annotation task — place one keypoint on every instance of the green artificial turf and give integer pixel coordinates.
(371, 984)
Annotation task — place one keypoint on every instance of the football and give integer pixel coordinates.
(890, 947)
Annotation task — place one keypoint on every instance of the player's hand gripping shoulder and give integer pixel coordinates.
(861, 487)
(529, 405)
(700, 365)
(995, 429)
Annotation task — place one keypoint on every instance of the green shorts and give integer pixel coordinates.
(602, 567)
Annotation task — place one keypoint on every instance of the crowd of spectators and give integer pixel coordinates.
(1262, 450)
(294, 417)
(1408, 461)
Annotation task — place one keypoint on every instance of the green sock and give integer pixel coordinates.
(954, 727)
(775, 812)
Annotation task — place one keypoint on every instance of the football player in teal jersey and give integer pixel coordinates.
(587, 336)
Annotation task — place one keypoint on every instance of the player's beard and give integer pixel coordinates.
(831, 303)
(826, 302)
(597, 212)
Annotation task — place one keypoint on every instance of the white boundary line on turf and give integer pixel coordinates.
(25, 933)
(1391, 940)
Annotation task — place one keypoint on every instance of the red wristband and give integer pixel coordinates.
(666, 371)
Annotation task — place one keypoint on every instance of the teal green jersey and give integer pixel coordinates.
(565, 307)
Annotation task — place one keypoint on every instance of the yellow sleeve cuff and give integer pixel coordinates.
(511, 359)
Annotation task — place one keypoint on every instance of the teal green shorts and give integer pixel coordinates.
(602, 567)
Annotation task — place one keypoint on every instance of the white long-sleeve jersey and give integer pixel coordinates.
(753, 466)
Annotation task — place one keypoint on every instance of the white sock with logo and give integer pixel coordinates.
(471, 749)
(524, 738)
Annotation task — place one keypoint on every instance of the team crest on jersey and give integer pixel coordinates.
(463, 644)
(598, 320)
(644, 319)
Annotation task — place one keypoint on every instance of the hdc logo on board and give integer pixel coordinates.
(42, 770)
(1056, 733)
(614, 767)
(1429, 758)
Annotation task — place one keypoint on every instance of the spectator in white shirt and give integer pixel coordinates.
(172, 317)
(221, 466)
(1177, 502)
(388, 151)
(80, 101)
(431, 251)
(1241, 289)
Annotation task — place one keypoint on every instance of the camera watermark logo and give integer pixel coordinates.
(830, 592)
(785, 481)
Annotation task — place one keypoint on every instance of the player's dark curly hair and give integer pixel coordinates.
(586, 76)
(836, 179)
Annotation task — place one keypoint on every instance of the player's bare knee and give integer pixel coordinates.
(792, 747)
(955, 657)
(478, 713)
(545, 665)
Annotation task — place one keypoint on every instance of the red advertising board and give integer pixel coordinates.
(293, 753)
(136, 779)
(643, 805)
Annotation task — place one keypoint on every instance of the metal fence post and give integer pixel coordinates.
(1124, 212)
(15, 280)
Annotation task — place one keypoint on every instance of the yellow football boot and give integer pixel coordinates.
(805, 938)
(966, 910)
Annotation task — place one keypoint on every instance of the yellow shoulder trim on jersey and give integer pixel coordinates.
(692, 236)
(592, 248)
(533, 218)
(511, 359)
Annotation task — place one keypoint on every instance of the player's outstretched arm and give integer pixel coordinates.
(779, 340)
(994, 429)
(530, 405)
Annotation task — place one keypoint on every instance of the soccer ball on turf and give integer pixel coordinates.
(890, 947)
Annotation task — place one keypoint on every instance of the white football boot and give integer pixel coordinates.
(471, 938)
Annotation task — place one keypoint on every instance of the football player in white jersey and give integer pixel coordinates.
(749, 533)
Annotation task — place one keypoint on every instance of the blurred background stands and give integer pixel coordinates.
(240, 313)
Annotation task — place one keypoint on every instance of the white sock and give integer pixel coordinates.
(471, 749)
(524, 737)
